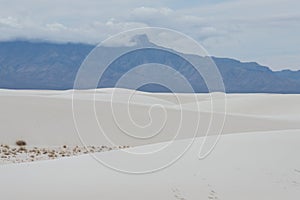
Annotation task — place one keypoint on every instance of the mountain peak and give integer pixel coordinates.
(44, 65)
(141, 40)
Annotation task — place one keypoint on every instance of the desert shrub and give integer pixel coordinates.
(21, 143)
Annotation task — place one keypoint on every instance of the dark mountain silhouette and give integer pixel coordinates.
(45, 65)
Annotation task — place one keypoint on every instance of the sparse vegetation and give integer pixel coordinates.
(29, 154)
(21, 143)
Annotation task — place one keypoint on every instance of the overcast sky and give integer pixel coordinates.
(266, 31)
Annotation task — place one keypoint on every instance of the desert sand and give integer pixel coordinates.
(46, 117)
(256, 156)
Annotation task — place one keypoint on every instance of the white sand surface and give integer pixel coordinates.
(260, 165)
(255, 158)
(46, 118)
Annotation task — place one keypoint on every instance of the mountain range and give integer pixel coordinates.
(46, 65)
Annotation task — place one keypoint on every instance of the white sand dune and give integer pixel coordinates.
(46, 118)
(256, 157)
(243, 166)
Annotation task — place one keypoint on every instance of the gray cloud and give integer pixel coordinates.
(248, 30)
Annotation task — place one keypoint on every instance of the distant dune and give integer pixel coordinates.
(45, 117)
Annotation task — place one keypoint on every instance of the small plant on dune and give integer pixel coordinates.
(21, 143)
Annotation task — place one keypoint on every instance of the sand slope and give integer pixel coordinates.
(46, 118)
(256, 157)
(242, 166)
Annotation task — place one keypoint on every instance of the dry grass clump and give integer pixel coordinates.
(21, 143)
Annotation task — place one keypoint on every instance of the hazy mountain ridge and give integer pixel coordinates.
(43, 65)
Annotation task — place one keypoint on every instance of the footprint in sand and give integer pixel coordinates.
(212, 195)
(177, 194)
